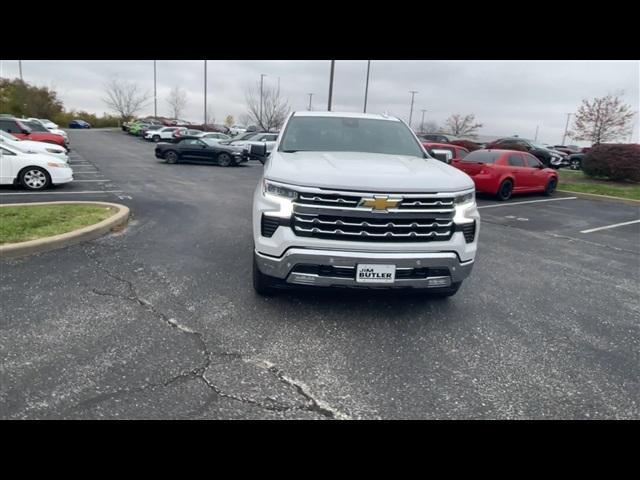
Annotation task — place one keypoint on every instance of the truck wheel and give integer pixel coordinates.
(262, 284)
(447, 292)
(505, 190)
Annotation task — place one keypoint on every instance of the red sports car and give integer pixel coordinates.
(445, 151)
(503, 172)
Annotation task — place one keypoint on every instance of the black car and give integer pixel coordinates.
(200, 150)
(575, 161)
(550, 158)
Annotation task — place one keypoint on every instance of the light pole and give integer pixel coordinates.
(205, 96)
(366, 88)
(422, 122)
(333, 65)
(535, 138)
(413, 94)
(310, 96)
(262, 75)
(20, 67)
(155, 92)
(566, 127)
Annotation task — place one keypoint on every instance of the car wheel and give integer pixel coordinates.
(575, 165)
(551, 186)
(34, 178)
(446, 292)
(156, 138)
(262, 284)
(224, 160)
(171, 157)
(505, 190)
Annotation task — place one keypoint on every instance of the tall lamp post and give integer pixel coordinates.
(205, 95)
(413, 94)
(310, 97)
(262, 75)
(155, 92)
(333, 65)
(422, 122)
(366, 88)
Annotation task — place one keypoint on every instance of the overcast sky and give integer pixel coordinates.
(508, 97)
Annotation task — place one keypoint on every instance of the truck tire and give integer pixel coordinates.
(262, 284)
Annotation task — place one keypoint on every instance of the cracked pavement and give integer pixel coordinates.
(160, 321)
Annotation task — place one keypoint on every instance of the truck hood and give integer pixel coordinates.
(368, 172)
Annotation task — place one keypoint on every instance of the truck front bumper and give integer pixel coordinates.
(302, 266)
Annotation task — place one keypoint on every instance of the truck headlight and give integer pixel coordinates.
(278, 190)
(465, 198)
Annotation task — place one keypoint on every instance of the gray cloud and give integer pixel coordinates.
(508, 97)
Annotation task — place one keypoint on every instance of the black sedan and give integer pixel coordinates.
(201, 150)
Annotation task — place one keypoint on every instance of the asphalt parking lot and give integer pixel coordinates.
(161, 321)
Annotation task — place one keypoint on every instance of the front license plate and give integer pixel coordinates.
(371, 273)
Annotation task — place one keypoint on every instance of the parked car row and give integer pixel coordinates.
(35, 130)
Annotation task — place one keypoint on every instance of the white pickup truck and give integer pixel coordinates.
(354, 200)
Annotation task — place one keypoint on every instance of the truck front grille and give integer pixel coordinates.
(372, 228)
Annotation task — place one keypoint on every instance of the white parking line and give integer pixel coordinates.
(63, 193)
(103, 180)
(609, 226)
(528, 201)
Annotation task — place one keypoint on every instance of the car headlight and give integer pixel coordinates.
(53, 150)
(57, 165)
(278, 190)
(465, 198)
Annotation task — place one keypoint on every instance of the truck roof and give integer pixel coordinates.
(316, 113)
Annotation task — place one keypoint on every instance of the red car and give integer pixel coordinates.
(503, 172)
(18, 129)
(445, 151)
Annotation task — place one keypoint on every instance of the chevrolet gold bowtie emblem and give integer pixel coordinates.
(380, 202)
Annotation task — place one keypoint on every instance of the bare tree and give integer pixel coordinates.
(125, 98)
(245, 119)
(602, 119)
(463, 125)
(274, 109)
(177, 101)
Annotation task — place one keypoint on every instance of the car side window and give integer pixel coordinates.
(462, 153)
(515, 161)
(6, 152)
(9, 126)
(532, 161)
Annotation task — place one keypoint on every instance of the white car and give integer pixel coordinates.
(34, 171)
(48, 123)
(165, 133)
(37, 126)
(28, 146)
(237, 129)
(215, 136)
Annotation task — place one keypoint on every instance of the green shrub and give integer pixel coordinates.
(613, 161)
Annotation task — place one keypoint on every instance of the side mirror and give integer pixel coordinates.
(258, 150)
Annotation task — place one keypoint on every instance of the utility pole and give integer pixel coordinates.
(262, 75)
(366, 88)
(422, 122)
(310, 96)
(535, 138)
(155, 92)
(413, 94)
(20, 67)
(333, 65)
(205, 96)
(566, 127)
(278, 86)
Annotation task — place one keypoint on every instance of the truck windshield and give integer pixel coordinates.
(344, 134)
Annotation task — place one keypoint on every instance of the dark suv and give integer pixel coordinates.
(550, 158)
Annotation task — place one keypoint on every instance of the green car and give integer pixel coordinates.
(136, 128)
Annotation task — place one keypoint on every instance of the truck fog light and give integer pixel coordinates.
(438, 282)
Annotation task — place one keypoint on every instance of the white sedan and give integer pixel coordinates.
(34, 171)
(28, 146)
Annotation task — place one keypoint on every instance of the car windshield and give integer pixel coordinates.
(35, 126)
(482, 156)
(346, 134)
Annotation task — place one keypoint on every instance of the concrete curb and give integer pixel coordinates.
(595, 196)
(91, 232)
